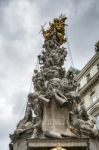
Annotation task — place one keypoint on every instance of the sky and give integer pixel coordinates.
(21, 42)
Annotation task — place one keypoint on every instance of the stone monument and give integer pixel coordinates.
(60, 115)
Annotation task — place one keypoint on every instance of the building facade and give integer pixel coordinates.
(88, 85)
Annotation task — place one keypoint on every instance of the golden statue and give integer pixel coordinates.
(58, 147)
(56, 29)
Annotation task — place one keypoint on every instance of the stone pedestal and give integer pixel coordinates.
(47, 144)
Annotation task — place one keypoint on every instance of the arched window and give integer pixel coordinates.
(97, 121)
(93, 97)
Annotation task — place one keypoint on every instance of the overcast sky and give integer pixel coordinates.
(20, 43)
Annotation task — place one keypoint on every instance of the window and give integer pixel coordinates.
(93, 97)
(98, 67)
(88, 77)
(78, 86)
(97, 121)
(83, 81)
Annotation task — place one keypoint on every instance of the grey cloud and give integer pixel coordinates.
(83, 33)
(3, 3)
(19, 99)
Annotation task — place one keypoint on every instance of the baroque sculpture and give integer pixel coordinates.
(54, 109)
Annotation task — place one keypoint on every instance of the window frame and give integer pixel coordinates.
(92, 96)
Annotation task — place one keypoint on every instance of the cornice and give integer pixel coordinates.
(91, 82)
(87, 66)
(93, 106)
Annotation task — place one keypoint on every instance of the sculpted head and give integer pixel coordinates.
(78, 99)
(35, 71)
(32, 96)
